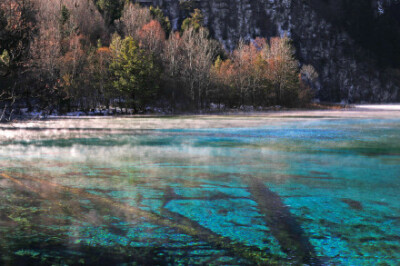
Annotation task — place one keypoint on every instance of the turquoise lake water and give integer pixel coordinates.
(317, 191)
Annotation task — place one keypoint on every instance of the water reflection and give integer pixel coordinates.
(314, 191)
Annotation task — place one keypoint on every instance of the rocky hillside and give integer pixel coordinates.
(327, 35)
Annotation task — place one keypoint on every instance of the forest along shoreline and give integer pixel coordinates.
(54, 61)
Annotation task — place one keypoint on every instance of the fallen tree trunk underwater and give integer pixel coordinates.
(184, 225)
(283, 225)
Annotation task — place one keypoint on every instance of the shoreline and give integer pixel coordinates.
(329, 110)
(246, 111)
(64, 127)
(113, 112)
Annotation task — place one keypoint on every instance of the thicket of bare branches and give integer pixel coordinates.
(133, 18)
(261, 73)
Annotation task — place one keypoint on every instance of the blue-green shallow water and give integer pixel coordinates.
(312, 191)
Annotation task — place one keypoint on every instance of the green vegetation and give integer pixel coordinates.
(133, 71)
(4, 63)
(111, 9)
(158, 15)
(195, 21)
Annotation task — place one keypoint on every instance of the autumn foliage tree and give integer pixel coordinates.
(261, 73)
(283, 70)
(152, 37)
(223, 90)
(59, 53)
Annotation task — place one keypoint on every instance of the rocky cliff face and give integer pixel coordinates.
(346, 71)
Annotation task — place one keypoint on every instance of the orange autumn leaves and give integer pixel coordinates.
(152, 36)
(259, 73)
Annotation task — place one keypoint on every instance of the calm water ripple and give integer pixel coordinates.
(274, 191)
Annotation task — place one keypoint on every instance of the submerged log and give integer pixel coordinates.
(174, 221)
(282, 224)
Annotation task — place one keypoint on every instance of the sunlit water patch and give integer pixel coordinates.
(274, 191)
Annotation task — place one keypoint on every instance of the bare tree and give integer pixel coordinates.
(308, 74)
(199, 52)
(172, 60)
(240, 65)
(283, 69)
(45, 50)
(133, 19)
(86, 17)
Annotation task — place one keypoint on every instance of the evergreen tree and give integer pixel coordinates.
(133, 72)
(111, 9)
(158, 15)
(187, 5)
(4, 63)
(195, 21)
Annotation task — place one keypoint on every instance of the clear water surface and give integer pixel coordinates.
(259, 190)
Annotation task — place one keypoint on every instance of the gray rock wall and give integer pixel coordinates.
(346, 71)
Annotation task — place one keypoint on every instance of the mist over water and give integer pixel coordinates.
(292, 187)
